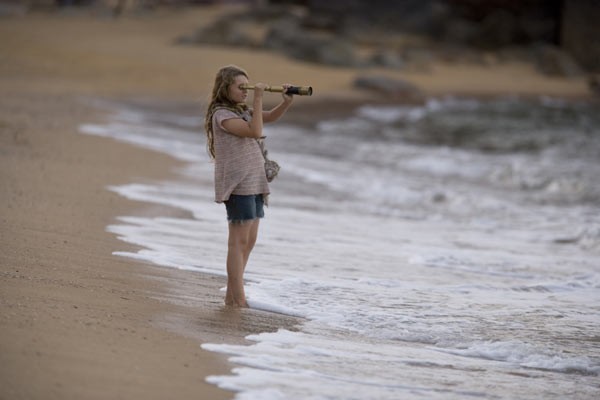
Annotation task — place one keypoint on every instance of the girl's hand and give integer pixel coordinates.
(287, 97)
(259, 88)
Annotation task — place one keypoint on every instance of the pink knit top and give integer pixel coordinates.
(239, 162)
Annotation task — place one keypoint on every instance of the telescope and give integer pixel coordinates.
(299, 90)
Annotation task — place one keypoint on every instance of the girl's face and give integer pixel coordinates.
(235, 92)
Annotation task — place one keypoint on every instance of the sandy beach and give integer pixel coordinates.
(76, 321)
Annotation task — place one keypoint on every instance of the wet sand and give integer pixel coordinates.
(76, 321)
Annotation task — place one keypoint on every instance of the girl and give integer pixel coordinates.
(232, 131)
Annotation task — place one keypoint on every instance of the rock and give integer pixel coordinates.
(553, 61)
(279, 35)
(386, 16)
(303, 45)
(388, 59)
(418, 59)
(594, 84)
(222, 32)
(516, 53)
(496, 24)
(391, 88)
(498, 29)
(16, 9)
(580, 32)
(338, 52)
(263, 14)
(458, 31)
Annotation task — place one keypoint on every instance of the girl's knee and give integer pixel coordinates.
(237, 241)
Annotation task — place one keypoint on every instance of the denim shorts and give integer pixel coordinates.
(242, 208)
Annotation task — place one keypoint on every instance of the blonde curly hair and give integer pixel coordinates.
(220, 99)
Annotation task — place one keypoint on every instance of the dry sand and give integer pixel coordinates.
(77, 322)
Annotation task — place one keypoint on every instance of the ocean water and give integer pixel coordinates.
(449, 250)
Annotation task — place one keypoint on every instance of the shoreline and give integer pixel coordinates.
(77, 321)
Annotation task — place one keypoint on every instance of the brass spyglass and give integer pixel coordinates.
(299, 90)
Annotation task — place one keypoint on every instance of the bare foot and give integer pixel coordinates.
(231, 303)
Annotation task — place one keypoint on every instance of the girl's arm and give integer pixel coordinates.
(276, 113)
(254, 128)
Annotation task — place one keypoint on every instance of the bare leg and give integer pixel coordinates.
(252, 235)
(242, 238)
